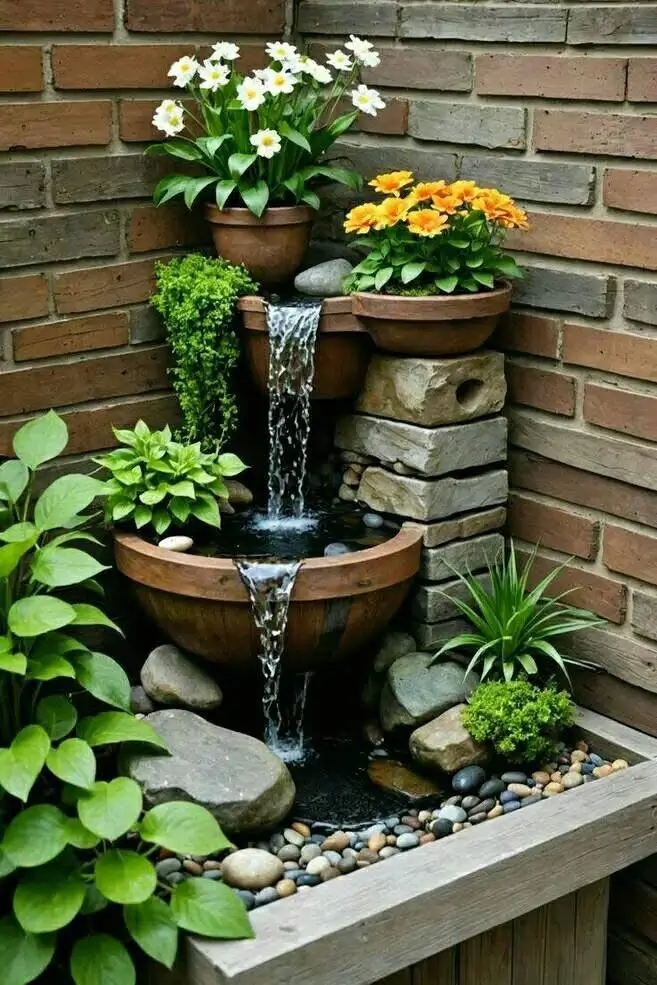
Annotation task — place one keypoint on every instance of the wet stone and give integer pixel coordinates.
(468, 779)
(511, 805)
(167, 866)
(452, 814)
(305, 879)
(514, 777)
(441, 827)
(335, 550)
(373, 520)
(406, 841)
(248, 899)
(268, 895)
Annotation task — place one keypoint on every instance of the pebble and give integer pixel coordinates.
(212, 874)
(491, 788)
(577, 756)
(596, 760)
(294, 838)
(168, 866)
(389, 851)
(332, 857)
(541, 777)
(587, 769)
(496, 811)
(291, 866)
(377, 842)
(406, 841)
(212, 863)
(307, 879)
(302, 829)
(175, 877)
(289, 853)
(469, 802)
(349, 853)
(402, 829)
(576, 768)
(391, 839)
(335, 550)
(572, 780)
(276, 842)
(534, 799)
(458, 827)
(247, 898)
(374, 829)
(177, 543)
(252, 868)
(317, 865)
(192, 867)
(423, 817)
(469, 779)
(337, 842)
(265, 896)
(442, 827)
(507, 797)
(514, 777)
(453, 814)
(555, 777)
(411, 821)
(510, 806)
(484, 807)
(309, 852)
(365, 855)
(619, 764)
(327, 874)
(286, 887)
(520, 790)
(427, 838)
(601, 771)
(318, 839)
(373, 520)
(553, 788)
(346, 865)
(390, 822)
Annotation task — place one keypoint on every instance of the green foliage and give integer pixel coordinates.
(65, 856)
(197, 299)
(513, 625)
(521, 721)
(156, 482)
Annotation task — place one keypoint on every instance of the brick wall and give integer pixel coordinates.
(78, 233)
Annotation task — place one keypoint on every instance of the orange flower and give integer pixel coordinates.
(391, 211)
(392, 183)
(515, 219)
(465, 190)
(362, 219)
(425, 190)
(500, 208)
(427, 222)
(445, 202)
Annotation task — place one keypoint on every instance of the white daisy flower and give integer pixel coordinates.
(358, 45)
(281, 51)
(266, 142)
(278, 82)
(340, 60)
(367, 100)
(169, 117)
(183, 71)
(225, 51)
(370, 59)
(251, 93)
(321, 74)
(214, 75)
(307, 65)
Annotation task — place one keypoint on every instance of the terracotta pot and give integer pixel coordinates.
(342, 352)
(440, 325)
(271, 248)
(339, 604)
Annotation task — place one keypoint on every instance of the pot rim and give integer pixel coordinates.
(336, 315)
(274, 215)
(438, 307)
(394, 561)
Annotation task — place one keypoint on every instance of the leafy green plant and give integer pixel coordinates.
(157, 481)
(78, 889)
(513, 625)
(521, 721)
(197, 299)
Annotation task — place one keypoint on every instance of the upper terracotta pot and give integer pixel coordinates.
(438, 325)
(271, 247)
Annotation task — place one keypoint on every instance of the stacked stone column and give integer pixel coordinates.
(430, 448)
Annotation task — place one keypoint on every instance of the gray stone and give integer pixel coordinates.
(251, 868)
(433, 392)
(265, 896)
(640, 301)
(140, 703)
(167, 866)
(468, 779)
(433, 634)
(461, 557)
(238, 493)
(461, 527)
(235, 776)
(22, 186)
(325, 280)
(445, 744)
(532, 181)
(373, 520)
(453, 814)
(171, 678)
(465, 123)
(430, 451)
(644, 615)
(431, 499)
(406, 841)
(627, 24)
(565, 290)
(416, 692)
(433, 603)
(500, 22)
(393, 646)
(336, 550)
(377, 19)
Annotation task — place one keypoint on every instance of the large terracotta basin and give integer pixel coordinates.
(342, 353)
(339, 604)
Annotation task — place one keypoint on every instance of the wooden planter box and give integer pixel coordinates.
(521, 900)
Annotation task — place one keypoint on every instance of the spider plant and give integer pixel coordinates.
(512, 626)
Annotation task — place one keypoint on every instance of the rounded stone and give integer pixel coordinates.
(601, 771)
(469, 779)
(552, 789)
(507, 796)
(365, 855)
(317, 865)
(535, 798)
(572, 779)
(484, 807)
(469, 802)
(331, 873)
(427, 838)
(289, 853)
(453, 814)
(177, 543)
(247, 898)
(496, 811)
(510, 806)
(577, 756)
(276, 842)
(619, 764)
(442, 827)
(268, 895)
(373, 520)
(519, 790)
(286, 887)
(491, 788)
(388, 851)
(346, 865)
(406, 841)
(336, 550)
(175, 878)
(167, 866)
(194, 869)
(293, 837)
(301, 828)
(596, 760)
(212, 874)
(478, 818)
(171, 678)
(377, 842)
(541, 777)
(514, 777)
(337, 842)
(307, 879)
(252, 868)
(309, 852)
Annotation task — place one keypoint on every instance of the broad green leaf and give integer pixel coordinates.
(210, 145)
(6, 865)
(73, 762)
(14, 477)
(101, 960)
(410, 271)
(194, 188)
(311, 199)
(152, 927)
(79, 836)
(10, 555)
(161, 521)
(170, 187)
(49, 897)
(239, 163)
(22, 762)
(64, 499)
(94, 901)
(211, 909)
(184, 488)
(187, 829)
(39, 614)
(35, 836)
(18, 532)
(41, 439)
(117, 726)
(207, 511)
(255, 197)
(13, 663)
(111, 809)
(224, 190)
(382, 277)
(230, 464)
(153, 496)
(103, 677)
(58, 567)
(91, 615)
(447, 284)
(44, 666)
(23, 956)
(294, 136)
(125, 877)
(143, 516)
(180, 147)
(180, 508)
(121, 509)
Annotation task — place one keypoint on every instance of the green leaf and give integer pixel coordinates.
(125, 877)
(487, 280)
(35, 836)
(79, 836)
(18, 532)
(161, 521)
(13, 663)
(187, 829)
(14, 477)
(6, 865)
(143, 516)
(239, 163)
(294, 136)
(103, 677)
(49, 897)
(152, 927)
(211, 909)
(41, 439)
(73, 762)
(22, 762)
(224, 190)
(184, 488)
(39, 614)
(101, 960)
(170, 187)
(447, 284)
(508, 266)
(153, 496)
(117, 726)
(194, 188)
(121, 509)
(94, 901)
(311, 199)
(180, 509)
(180, 147)
(210, 145)
(11, 554)
(64, 499)
(255, 197)
(44, 666)
(230, 464)
(23, 956)
(382, 277)
(410, 271)
(58, 567)
(207, 511)
(57, 715)
(111, 809)
(91, 615)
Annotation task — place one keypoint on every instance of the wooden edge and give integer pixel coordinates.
(613, 740)
(386, 917)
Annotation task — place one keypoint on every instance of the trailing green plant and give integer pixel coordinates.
(78, 889)
(521, 721)
(513, 625)
(156, 481)
(197, 298)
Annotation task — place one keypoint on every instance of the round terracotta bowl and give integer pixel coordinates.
(271, 247)
(342, 353)
(440, 325)
(338, 605)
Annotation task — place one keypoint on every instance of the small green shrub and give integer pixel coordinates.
(521, 721)
(197, 298)
(157, 481)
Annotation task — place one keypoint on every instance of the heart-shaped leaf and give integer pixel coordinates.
(56, 715)
(23, 956)
(64, 499)
(152, 927)
(14, 477)
(211, 909)
(39, 614)
(13, 663)
(79, 836)
(73, 762)
(101, 960)
(41, 439)
(111, 809)
(49, 897)
(118, 726)
(125, 877)
(59, 567)
(91, 615)
(187, 829)
(35, 836)
(22, 762)
(103, 677)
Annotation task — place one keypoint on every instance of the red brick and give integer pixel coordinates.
(534, 334)
(391, 120)
(105, 66)
(64, 383)
(23, 297)
(604, 240)
(601, 595)
(152, 228)
(227, 17)
(56, 15)
(621, 410)
(635, 191)
(107, 286)
(630, 553)
(20, 69)
(551, 76)
(624, 353)
(562, 530)
(546, 390)
(642, 80)
(56, 124)
(616, 134)
(61, 338)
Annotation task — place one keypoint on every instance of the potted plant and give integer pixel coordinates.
(260, 141)
(435, 279)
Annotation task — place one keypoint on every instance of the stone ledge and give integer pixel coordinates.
(460, 528)
(430, 634)
(440, 563)
(431, 499)
(433, 603)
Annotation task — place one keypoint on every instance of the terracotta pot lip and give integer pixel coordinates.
(275, 215)
(431, 299)
(330, 306)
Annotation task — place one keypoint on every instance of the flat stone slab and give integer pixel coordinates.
(434, 391)
(461, 527)
(441, 563)
(431, 499)
(430, 451)
(431, 635)
(433, 603)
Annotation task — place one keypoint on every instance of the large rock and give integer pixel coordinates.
(238, 493)
(431, 499)
(431, 635)
(324, 280)
(445, 744)
(416, 691)
(461, 557)
(434, 603)
(170, 678)
(393, 646)
(235, 776)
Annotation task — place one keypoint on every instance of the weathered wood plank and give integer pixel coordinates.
(634, 904)
(632, 961)
(590, 932)
(438, 970)
(487, 957)
(402, 977)
(560, 942)
(613, 740)
(529, 933)
(621, 656)
(610, 696)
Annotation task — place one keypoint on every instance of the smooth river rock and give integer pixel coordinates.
(445, 744)
(393, 646)
(251, 868)
(235, 776)
(417, 690)
(324, 280)
(170, 678)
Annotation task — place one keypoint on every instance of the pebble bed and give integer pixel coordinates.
(301, 856)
